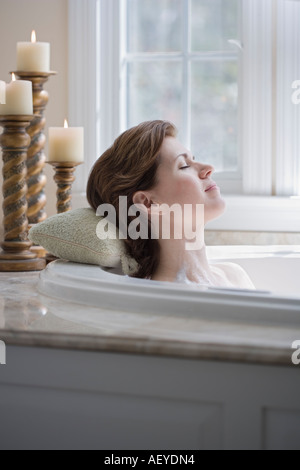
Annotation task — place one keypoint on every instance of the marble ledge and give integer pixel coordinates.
(219, 237)
(154, 347)
(30, 319)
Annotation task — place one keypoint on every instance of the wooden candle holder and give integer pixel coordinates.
(64, 178)
(16, 255)
(36, 180)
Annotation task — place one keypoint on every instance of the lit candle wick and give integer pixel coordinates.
(13, 77)
(33, 37)
(66, 125)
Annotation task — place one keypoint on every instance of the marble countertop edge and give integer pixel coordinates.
(153, 347)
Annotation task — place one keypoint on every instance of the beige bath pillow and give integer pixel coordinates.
(72, 236)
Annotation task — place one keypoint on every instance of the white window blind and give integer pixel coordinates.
(287, 113)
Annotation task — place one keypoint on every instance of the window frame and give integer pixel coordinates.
(99, 109)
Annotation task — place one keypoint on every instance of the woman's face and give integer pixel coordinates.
(182, 180)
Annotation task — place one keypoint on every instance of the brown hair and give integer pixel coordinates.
(130, 165)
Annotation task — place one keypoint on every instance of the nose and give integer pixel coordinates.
(205, 171)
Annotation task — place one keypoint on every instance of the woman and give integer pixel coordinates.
(152, 168)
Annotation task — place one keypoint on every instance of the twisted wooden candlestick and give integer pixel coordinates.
(16, 254)
(64, 178)
(36, 180)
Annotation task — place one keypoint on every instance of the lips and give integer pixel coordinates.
(212, 186)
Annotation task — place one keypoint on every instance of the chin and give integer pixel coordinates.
(215, 210)
(222, 205)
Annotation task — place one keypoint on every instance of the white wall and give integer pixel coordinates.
(50, 20)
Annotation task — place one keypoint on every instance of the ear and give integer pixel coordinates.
(142, 198)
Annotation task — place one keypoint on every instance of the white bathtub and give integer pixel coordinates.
(275, 272)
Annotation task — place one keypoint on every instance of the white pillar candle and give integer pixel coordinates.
(33, 56)
(18, 98)
(66, 144)
(2, 92)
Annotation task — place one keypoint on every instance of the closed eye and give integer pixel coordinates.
(184, 167)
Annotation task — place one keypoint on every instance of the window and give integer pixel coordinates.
(222, 70)
(180, 62)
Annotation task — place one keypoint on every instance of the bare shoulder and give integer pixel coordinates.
(236, 275)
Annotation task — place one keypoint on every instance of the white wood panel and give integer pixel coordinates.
(281, 429)
(52, 398)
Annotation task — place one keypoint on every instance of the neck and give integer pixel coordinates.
(179, 264)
